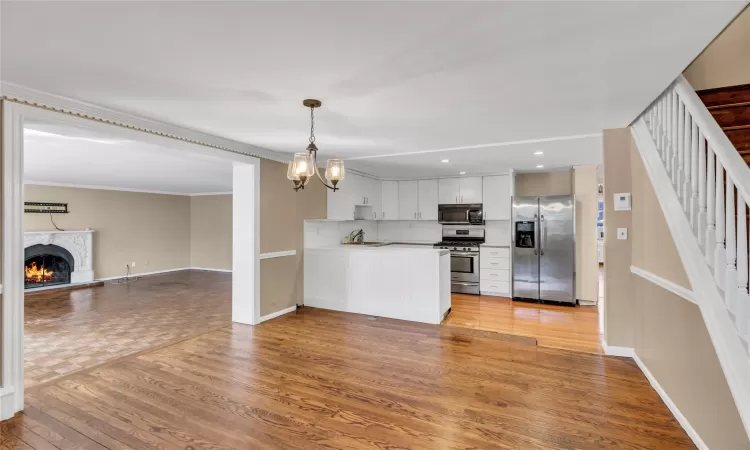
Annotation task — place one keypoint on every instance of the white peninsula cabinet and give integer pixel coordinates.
(497, 195)
(466, 190)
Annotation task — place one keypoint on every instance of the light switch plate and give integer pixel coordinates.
(622, 234)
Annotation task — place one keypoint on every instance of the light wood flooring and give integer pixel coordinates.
(318, 379)
(69, 330)
(563, 327)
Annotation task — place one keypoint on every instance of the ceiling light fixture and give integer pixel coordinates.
(538, 153)
(305, 165)
(539, 166)
(462, 173)
(445, 160)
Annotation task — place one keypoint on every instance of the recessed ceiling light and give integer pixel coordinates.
(445, 160)
(539, 166)
(538, 153)
(462, 173)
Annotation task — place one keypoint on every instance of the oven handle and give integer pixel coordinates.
(470, 254)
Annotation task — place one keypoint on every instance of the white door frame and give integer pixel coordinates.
(245, 295)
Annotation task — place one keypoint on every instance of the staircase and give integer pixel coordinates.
(730, 107)
(696, 150)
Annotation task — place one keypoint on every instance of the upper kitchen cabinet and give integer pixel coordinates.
(408, 200)
(428, 200)
(374, 197)
(496, 197)
(389, 200)
(471, 190)
(449, 191)
(460, 190)
(341, 203)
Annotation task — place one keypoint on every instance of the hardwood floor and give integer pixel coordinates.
(321, 379)
(563, 327)
(69, 330)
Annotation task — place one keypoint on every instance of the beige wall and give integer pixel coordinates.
(282, 215)
(211, 232)
(618, 281)
(546, 183)
(151, 229)
(726, 61)
(585, 189)
(667, 332)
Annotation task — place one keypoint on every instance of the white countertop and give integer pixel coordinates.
(382, 248)
(494, 245)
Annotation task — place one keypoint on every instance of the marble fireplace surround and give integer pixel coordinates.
(79, 243)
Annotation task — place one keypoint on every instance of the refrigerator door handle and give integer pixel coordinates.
(541, 234)
(536, 235)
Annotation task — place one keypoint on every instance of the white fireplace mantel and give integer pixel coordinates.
(80, 244)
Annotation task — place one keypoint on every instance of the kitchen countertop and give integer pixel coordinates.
(494, 245)
(390, 246)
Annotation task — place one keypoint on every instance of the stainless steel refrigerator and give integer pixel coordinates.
(544, 248)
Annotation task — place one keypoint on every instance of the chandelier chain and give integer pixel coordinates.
(312, 125)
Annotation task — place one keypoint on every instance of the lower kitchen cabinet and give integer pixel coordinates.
(494, 271)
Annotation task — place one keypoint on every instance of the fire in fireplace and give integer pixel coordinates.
(47, 265)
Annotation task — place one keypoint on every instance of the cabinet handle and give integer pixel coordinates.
(415, 215)
(462, 199)
(374, 215)
(457, 199)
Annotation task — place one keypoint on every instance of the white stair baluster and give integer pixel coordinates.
(741, 301)
(694, 171)
(710, 217)
(668, 130)
(700, 227)
(687, 160)
(680, 179)
(675, 132)
(730, 251)
(720, 264)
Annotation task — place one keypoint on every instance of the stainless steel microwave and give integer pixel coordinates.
(461, 214)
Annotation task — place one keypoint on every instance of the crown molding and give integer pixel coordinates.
(116, 188)
(21, 94)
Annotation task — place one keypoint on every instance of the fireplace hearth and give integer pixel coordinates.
(47, 265)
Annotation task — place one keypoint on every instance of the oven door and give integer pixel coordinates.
(465, 266)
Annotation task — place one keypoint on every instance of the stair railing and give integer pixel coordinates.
(712, 182)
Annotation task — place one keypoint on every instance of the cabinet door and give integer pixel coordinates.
(471, 190)
(496, 197)
(408, 200)
(359, 187)
(428, 200)
(448, 191)
(340, 203)
(374, 196)
(389, 201)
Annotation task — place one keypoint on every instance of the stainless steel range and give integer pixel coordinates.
(463, 244)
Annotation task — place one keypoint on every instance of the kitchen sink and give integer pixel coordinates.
(368, 243)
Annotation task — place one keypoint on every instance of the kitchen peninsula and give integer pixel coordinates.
(407, 282)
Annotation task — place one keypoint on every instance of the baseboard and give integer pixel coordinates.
(143, 274)
(209, 269)
(7, 398)
(278, 313)
(670, 404)
(612, 350)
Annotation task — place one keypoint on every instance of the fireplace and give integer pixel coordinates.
(47, 265)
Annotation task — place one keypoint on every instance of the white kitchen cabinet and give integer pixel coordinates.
(341, 203)
(494, 271)
(460, 190)
(496, 193)
(471, 190)
(428, 200)
(373, 198)
(389, 201)
(449, 191)
(408, 200)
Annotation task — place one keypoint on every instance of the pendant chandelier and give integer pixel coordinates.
(305, 165)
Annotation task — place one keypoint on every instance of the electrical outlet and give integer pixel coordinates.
(132, 264)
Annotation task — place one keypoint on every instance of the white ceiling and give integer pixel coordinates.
(394, 77)
(64, 155)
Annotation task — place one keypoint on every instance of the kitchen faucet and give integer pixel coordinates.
(357, 236)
